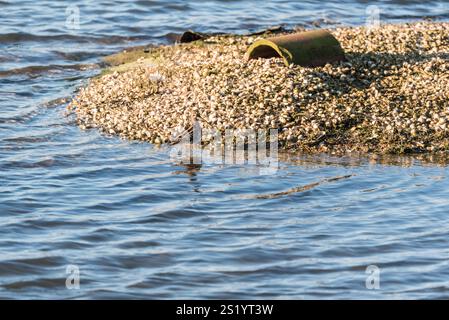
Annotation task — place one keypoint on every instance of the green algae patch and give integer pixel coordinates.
(130, 59)
(144, 56)
(128, 56)
(130, 65)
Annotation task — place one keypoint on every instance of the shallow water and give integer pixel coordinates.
(138, 225)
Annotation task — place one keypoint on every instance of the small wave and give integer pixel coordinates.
(29, 37)
(45, 283)
(30, 265)
(5, 59)
(26, 139)
(301, 188)
(35, 70)
(46, 163)
(75, 56)
(55, 102)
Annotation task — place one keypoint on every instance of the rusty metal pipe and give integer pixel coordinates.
(307, 49)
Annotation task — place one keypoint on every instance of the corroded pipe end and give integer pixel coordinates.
(307, 49)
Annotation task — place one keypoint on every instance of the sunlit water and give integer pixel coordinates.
(138, 225)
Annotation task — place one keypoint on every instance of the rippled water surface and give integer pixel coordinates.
(138, 225)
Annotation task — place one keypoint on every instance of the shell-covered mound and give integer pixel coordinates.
(390, 96)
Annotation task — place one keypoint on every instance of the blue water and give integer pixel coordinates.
(136, 224)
